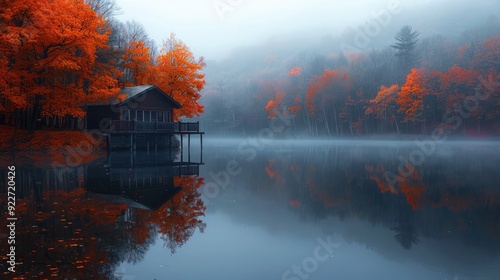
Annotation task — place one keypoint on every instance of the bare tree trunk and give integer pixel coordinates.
(336, 123)
(309, 124)
(326, 122)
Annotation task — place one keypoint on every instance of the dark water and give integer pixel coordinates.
(274, 210)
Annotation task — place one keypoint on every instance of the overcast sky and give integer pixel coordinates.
(212, 27)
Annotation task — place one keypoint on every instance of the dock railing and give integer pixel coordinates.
(120, 126)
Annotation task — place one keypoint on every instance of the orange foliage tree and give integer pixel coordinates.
(384, 105)
(295, 71)
(328, 90)
(178, 74)
(456, 84)
(411, 96)
(488, 58)
(136, 63)
(273, 106)
(48, 51)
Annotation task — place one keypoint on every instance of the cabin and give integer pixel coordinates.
(144, 120)
(143, 106)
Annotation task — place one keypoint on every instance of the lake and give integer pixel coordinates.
(264, 209)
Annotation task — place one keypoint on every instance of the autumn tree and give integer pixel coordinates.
(384, 105)
(410, 97)
(295, 71)
(50, 50)
(328, 91)
(456, 83)
(136, 64)
(178, 74)
(488, 58)
(274, 105)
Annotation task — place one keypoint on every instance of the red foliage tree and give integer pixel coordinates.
(136, 63)
(178, 74)
(49, 48)
(410, 97)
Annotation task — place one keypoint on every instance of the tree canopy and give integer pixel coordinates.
(58, 56)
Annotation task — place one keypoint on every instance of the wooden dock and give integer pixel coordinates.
(152, 136)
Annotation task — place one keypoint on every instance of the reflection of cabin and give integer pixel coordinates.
(143, 120)
(138, 180)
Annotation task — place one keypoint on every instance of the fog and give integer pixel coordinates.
(213, 28)
(250, 48)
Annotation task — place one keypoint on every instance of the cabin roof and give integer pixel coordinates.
(134, 92)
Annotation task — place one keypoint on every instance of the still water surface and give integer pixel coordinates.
(281, 210)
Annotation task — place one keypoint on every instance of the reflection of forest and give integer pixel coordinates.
(454, 194)
(65, 231)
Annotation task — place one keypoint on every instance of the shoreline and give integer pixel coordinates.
(67, 142)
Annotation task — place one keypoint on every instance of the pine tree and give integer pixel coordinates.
(407, 40)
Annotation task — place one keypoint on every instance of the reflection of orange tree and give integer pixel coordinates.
(318, 194)
(301, 176)
(412, 186)
(67, 235)
(42, 148)
(474, 212)
(177, 220)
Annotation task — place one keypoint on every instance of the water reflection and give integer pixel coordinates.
(82, 222)
(88, 222)
(452, 198)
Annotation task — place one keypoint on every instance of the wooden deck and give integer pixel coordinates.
(155, 127)
(152, 135)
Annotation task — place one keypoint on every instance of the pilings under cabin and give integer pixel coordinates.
(143, 121)
(134, 135)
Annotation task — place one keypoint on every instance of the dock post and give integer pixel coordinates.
(182, 150)
(134, 141)
(201, 147)
(108, 140)
(131, 142)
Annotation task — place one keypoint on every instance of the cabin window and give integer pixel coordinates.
(161, 117)
(153, 116)
(126, 115)
(169, 116)
(132, 115)
(140, 115)
(147, 116)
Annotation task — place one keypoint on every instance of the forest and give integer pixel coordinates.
(59, 56)
(415, 84)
